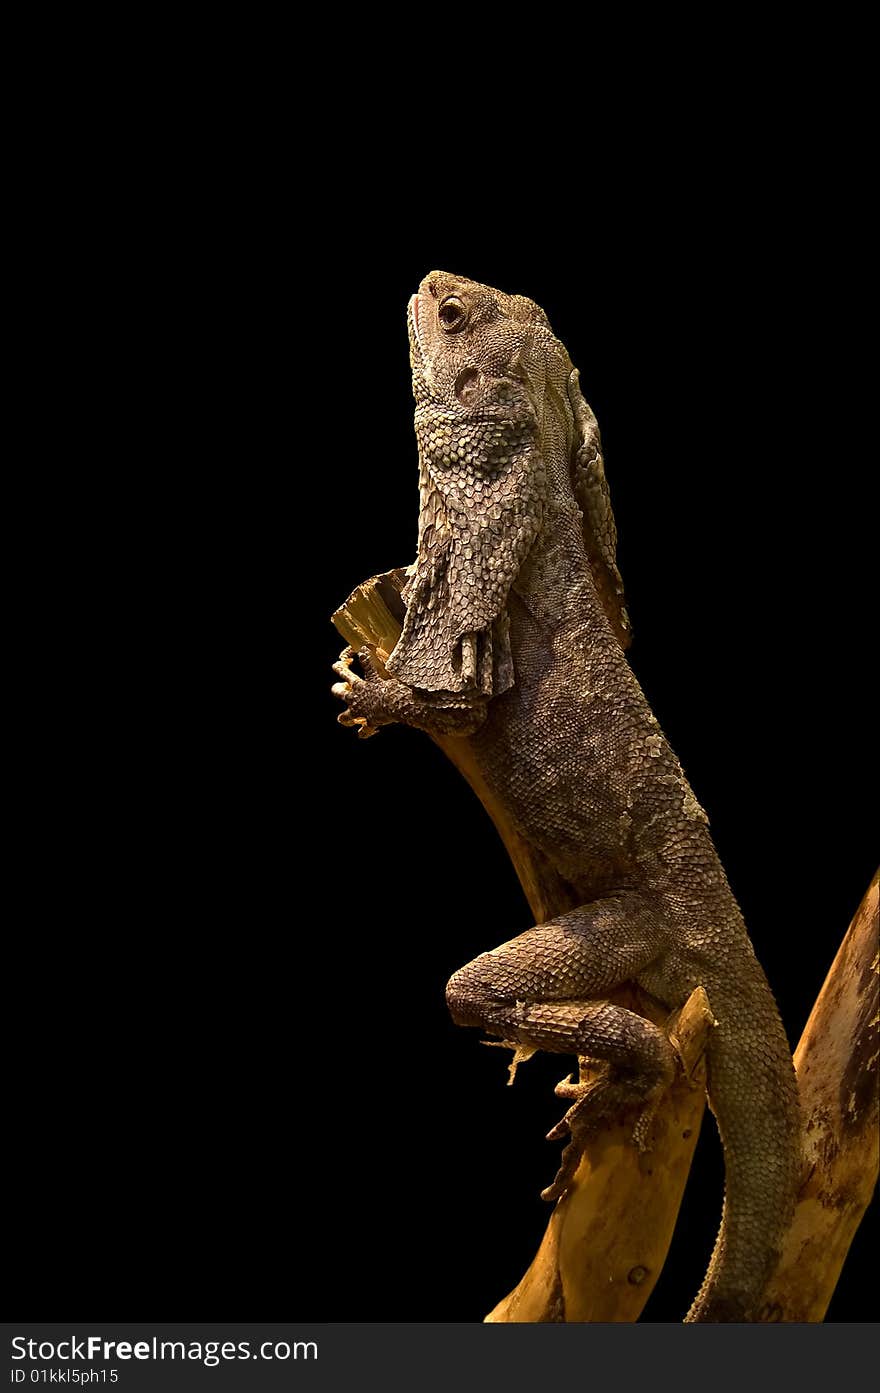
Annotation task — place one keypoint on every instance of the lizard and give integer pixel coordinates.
(514, 637)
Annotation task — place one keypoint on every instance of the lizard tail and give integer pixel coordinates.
(753, 1094)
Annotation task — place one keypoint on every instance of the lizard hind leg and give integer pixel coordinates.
(540, 991)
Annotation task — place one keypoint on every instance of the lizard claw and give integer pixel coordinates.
(566, 1089)
(521, 1053)
(569, 1162)
(346, 672)
(345, 718)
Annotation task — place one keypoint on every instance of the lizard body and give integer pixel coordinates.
(514, 638)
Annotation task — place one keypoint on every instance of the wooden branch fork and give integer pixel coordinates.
(609, 1234)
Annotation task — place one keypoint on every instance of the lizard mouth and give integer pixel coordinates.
(414, 320)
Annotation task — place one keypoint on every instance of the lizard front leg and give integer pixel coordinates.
(376, 700)
(540, 991)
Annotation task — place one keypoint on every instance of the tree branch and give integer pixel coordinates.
(836, 1064)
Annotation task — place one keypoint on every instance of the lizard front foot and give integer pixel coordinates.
(376, 700)
(362, 695)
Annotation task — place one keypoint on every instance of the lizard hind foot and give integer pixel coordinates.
(597, 1101)
(580, 1123)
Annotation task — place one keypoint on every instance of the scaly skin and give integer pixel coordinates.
(514, 636)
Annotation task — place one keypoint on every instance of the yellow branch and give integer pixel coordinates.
(837, 1067)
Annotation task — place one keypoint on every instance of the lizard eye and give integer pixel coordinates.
(452, 314)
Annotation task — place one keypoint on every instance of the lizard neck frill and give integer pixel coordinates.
(556, 583)
(483, 487)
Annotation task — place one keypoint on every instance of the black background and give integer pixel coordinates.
(238, 1094)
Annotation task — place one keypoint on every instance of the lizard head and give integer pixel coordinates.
(505, 438)
(469, 348)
